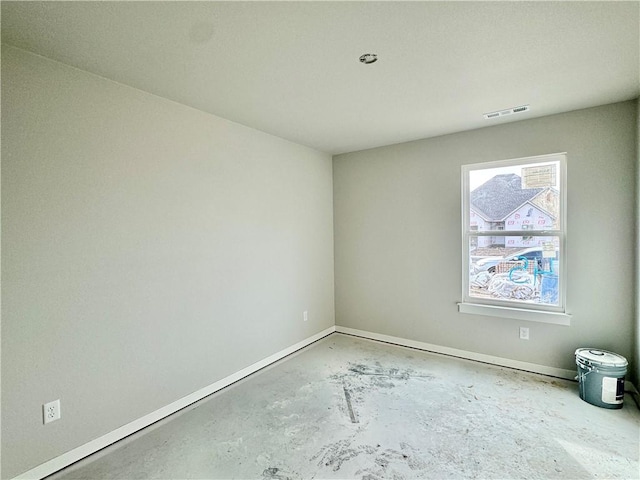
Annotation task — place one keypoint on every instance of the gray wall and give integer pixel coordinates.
(636, 377)
(398, 245)
(149, 250)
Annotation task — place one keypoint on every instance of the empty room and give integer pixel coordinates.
(286, 240)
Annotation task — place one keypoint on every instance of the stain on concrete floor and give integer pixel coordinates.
(274, 473)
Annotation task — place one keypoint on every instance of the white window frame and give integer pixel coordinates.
(510, 309)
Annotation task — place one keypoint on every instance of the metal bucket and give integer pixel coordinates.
(601, 377)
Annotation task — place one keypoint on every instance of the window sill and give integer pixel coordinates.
(556, 318)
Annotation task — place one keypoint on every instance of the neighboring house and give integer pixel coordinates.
(502, 204)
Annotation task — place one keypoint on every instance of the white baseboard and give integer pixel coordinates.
(93, 446)
(454, 352)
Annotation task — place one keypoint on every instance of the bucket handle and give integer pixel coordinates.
(581, 376)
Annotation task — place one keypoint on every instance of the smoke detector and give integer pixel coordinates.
(508, 111)
(368, 58)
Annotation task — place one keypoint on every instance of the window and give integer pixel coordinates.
(507, 271)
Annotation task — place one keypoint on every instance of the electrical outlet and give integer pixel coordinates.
(524, 333)
(51, 411)
(305, 316)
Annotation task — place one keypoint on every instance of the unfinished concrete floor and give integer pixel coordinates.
(352, 408)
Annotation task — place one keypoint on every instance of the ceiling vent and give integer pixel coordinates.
(508, 111)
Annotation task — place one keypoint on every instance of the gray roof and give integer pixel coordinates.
(501, 195)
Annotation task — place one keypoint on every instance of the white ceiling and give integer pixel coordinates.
(291, 68)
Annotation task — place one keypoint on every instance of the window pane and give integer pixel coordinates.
(515, 269)
(521, 197)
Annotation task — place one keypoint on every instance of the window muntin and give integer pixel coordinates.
(503, 265)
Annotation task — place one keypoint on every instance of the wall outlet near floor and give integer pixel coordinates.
(51, 411)
(524, 333)
(305, 316)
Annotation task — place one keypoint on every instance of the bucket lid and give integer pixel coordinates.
(602, 357)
